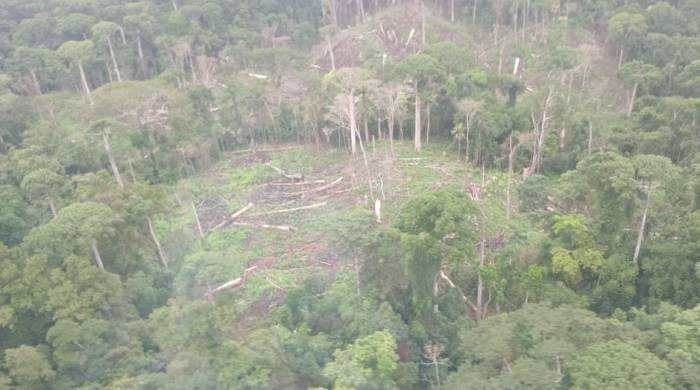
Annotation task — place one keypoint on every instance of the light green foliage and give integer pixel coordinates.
(76, 51)
(681, 347)
(617, 365)
(29, 367)
(574, 250)
(368, 363)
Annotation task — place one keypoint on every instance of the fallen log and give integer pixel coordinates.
(284, 228)
(291, 176)
(315, 190)
(232, 217)
(313, 206)
(300, 183)
(466, 300)
(265, 150)
(231, 284)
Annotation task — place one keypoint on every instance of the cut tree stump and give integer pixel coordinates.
(296, 177)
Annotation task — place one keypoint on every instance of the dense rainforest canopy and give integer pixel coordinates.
(349, 194)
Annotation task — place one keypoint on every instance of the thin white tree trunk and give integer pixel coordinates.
(353, 123)
(112, 161)
(35, 80)
(86, 87)
(417, 132)
(633, 97)
(422, 24)
(161, 254)
(122, 35)
(642, 226)
(510, 173)
(590, 136)
(196, 219)
(391, 131)
(52, 206)
(330, 51)
(96, 254)
(427, 124)
(114, 59)
(142, 61)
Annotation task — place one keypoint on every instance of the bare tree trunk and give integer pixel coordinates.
(353, 123)
(330, 51)
(427, 124)
(52, 206)
(161, 254)
(122, 34)
(482, 250)
(334, 13)
(474, 3)
(35, 81)
(511, 155)
(96, 254)
(452, 11)
(364, 157)
(196, 219)
(417, 133)
(131, 171)
(642, 226)
(422, 24)
(619, 58)
(633, 97)
(174, 4)
(466, 138)
(590, 136)
(364, 123)
(86, 87)
(114, 59)
(541, 134)
(391, 132)
(480, 282)
(142, 61)
(361, 7)
(112, 161)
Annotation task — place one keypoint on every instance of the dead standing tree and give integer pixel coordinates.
(540, 127)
